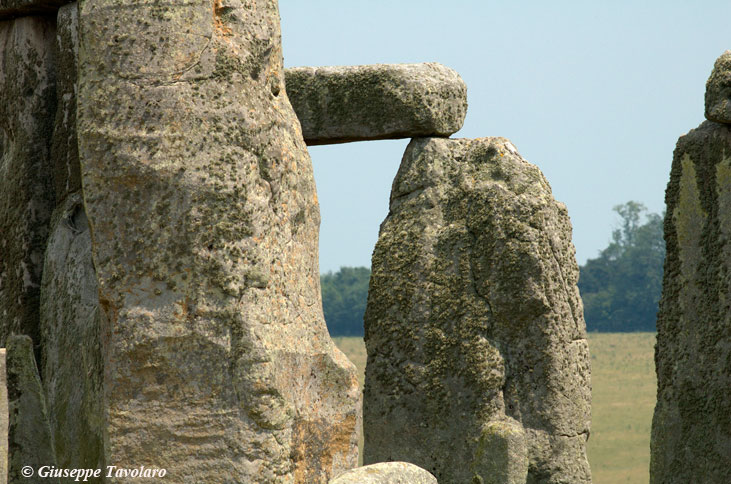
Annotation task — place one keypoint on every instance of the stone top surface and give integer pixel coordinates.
(338, 104)
(386, 473)
(19, 8)
(718, 90)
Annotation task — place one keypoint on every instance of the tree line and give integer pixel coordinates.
(620, 287)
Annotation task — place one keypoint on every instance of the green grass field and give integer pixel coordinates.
(623, 381)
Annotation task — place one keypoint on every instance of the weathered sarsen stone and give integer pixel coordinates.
(691, 429)
(204, 221)
(70, 313)
(478, 365)
(386, 473)
(29, 435)
(380, 101)
(27, 103)
(718, 90)
(71, 321)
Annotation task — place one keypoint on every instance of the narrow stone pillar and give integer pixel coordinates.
(478, 364)
(27, 103)
(203, 223)
(65, 146)
(691, 428)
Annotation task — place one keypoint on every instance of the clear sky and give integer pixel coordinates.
(595, 93)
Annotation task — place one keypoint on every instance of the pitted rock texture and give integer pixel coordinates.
(386, 473)
(20, 8)
(478, 365)
(3, 419)
(718, 90)
(380, 101)
(204, 222)
(64, 146)
(691, 429)
(72, 345)
(29, 435)
(27, 96)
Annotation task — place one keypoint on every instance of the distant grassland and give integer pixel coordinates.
(623, 393)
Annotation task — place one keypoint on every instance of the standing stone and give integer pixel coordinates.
(71, 321)
(380, 101)
(29, 435)
(64, 148)
(478, 365)
(691, 429)
(204, 223)
(3, 419)
(27, 104)
(718, 90)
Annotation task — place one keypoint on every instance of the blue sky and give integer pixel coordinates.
(594, 93)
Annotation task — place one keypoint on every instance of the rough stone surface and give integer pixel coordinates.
(29, 435)
(64, 147)
(27, 96)
(478, 366)
(386, 473)
(204, 222)
(70, 325)
(718, 90)
(381, 101)
(691, 430)
(3, 419)
(17, 8)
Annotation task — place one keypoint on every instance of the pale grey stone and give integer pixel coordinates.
(72, 344)
(204, 221)
(718, 90)
(29, 435)
(691, 428)
(478, 365)
(386, 473)
(20, 8)
(27, 101)
(381, 101)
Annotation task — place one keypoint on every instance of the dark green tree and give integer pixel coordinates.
(621, 288)
(344, 297)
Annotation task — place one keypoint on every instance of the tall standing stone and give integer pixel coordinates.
(478, 365)
(691, 428)
(27, 104)
(70, 312)
(204, 225)
(71, 321)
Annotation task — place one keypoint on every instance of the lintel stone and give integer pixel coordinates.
(380, 101)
